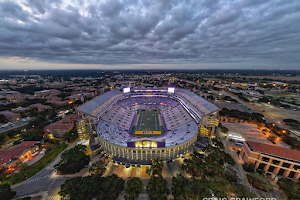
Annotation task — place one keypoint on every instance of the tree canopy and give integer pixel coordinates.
(2, 119)
(73, 160)
(32, 135)
(133, 189)
(212, 170)
(6, 192)
(98, 168)
(71, 135)
(157, 188)
(290, 188)
(155, 168)
(89, 187)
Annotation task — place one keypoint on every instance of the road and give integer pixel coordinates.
(251, 108)
(44, 181)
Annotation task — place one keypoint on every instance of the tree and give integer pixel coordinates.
(2, 119)
(155, 168)
(98, 168)
(199, 189)
(157, 187)
(248, 167)
(224, 129)
(111, 188)
(272, 138)
(38, 122)
(71, 135)
(2, 137)
(260, 182)
(73, 160)
(211, 163)
(181, 188)
(290, 121)
(295, 144)
(231, 174)
(13, 133)
(89, 187)
(217, 143)
(32, 135)
(51, 114)
(6, 192)
(242, 192)
(133, 189)
(290, 188)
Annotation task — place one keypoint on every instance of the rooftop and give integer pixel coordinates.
(98, 104)
(40, 106)
(7, 114)
(203, 106)
(15, 124)
(7, 154)
(274, 150)
(65, 123)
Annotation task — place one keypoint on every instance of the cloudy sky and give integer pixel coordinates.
(137, 34)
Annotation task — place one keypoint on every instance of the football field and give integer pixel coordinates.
(148, 121)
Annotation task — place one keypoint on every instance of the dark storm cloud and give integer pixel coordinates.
(152, 31)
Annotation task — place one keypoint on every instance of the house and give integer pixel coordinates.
(11, 157)
(275, 161)
(10, 116)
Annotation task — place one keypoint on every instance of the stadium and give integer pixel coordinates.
(137, 124)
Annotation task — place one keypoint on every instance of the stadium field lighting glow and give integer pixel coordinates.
(126, 90)
(171, 90)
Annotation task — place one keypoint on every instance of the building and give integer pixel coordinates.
(177, 116)
(80, 95)
(58, 103)
(10, 116)
(54, 85)
(275, 161)
(11, 157)
(58, 129)
(15, 97)
(40, 107)
(279, 84)
(18, 124)
(45, 93)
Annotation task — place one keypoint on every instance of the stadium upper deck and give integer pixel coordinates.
(197, 106)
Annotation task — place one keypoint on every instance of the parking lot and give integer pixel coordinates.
(250, 132)
(278, 114)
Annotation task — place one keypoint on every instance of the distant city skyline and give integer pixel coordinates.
(149, 34)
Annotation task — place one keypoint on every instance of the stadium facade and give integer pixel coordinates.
(139, 124)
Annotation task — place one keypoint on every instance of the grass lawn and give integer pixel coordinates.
(148, 121)
(53, 150)
(282, 95)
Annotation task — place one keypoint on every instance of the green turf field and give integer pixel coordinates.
(148, 121)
